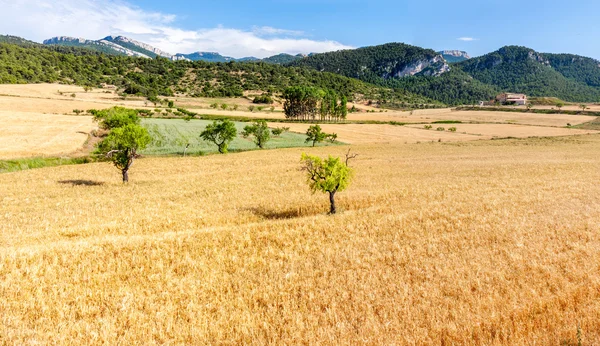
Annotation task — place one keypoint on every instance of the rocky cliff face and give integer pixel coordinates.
(67, 39)
(435, 66)
(122, 39)
(456, 53)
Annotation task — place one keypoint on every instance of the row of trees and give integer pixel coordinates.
(310, 104)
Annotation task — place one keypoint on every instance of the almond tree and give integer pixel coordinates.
(329, 176)
(220, 133)
(122, 145)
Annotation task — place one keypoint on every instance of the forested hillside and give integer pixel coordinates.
(510, 69)
(374, 63)
(161, 76)
(520, 69)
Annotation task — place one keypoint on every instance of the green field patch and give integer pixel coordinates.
(171, 136)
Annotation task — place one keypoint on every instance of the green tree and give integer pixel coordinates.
(559, 105)
(115, 117)
(583, 107)
(121, 146)
(328, 176)
(315, 135)
(260, 131)
(221, 133)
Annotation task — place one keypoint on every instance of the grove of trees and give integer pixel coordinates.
(310, 104)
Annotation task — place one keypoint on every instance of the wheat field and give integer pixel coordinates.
(471, 243)
(26, 134)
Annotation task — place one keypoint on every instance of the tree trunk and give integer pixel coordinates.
(332, 210)
(126, 175)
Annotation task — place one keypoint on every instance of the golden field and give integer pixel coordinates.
(471, 243)
(30, 134)
(370, 133)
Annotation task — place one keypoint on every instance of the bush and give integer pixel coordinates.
(266, 99)
(452, 129)
(441, 129)
(428, 127)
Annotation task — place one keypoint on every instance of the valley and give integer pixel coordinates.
(459, 224)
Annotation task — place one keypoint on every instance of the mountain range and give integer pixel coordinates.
(120, 45)
(414, 73)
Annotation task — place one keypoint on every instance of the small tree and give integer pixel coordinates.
(115, 117)
(328, 176)
(583, 107)
(121, 146)
(260, 131)
(170, 103)
(332, 137)
(315, 135)
(221, 133)
(251, 108)
(559, 105)
(224, 106)
(529, 106)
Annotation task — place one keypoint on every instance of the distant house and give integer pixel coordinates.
(515, 99)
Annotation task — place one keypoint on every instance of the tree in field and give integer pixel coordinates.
(315, 135)
(221, 133)
(583, 107)
(330, 176)
(121, 146)
(559, 105)
(260, 131)
(115, 117)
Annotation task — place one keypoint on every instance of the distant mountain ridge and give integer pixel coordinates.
(398, 66)
(110, 45)
(121, 45)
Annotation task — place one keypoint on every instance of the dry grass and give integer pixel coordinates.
(481, 243)
(365, 133)
(488, 131)
(30, 134)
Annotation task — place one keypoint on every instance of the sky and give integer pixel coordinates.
(263, 28)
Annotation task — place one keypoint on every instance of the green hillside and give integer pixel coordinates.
(520, 69)
(369, 63)
(160, 76)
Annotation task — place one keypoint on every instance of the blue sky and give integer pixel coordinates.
(241, 28)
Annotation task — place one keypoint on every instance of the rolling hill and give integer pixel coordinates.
(153, 77)
(520, 69)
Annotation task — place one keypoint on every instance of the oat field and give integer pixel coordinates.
(470, 243)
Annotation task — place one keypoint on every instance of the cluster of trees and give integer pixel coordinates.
(311, 104)
(126, 138)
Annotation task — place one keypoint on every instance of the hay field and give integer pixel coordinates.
(29, 134)
(473, 243)
(367, 133)
(489, 131)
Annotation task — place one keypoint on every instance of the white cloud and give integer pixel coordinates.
(467, 39)
(93, 19)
